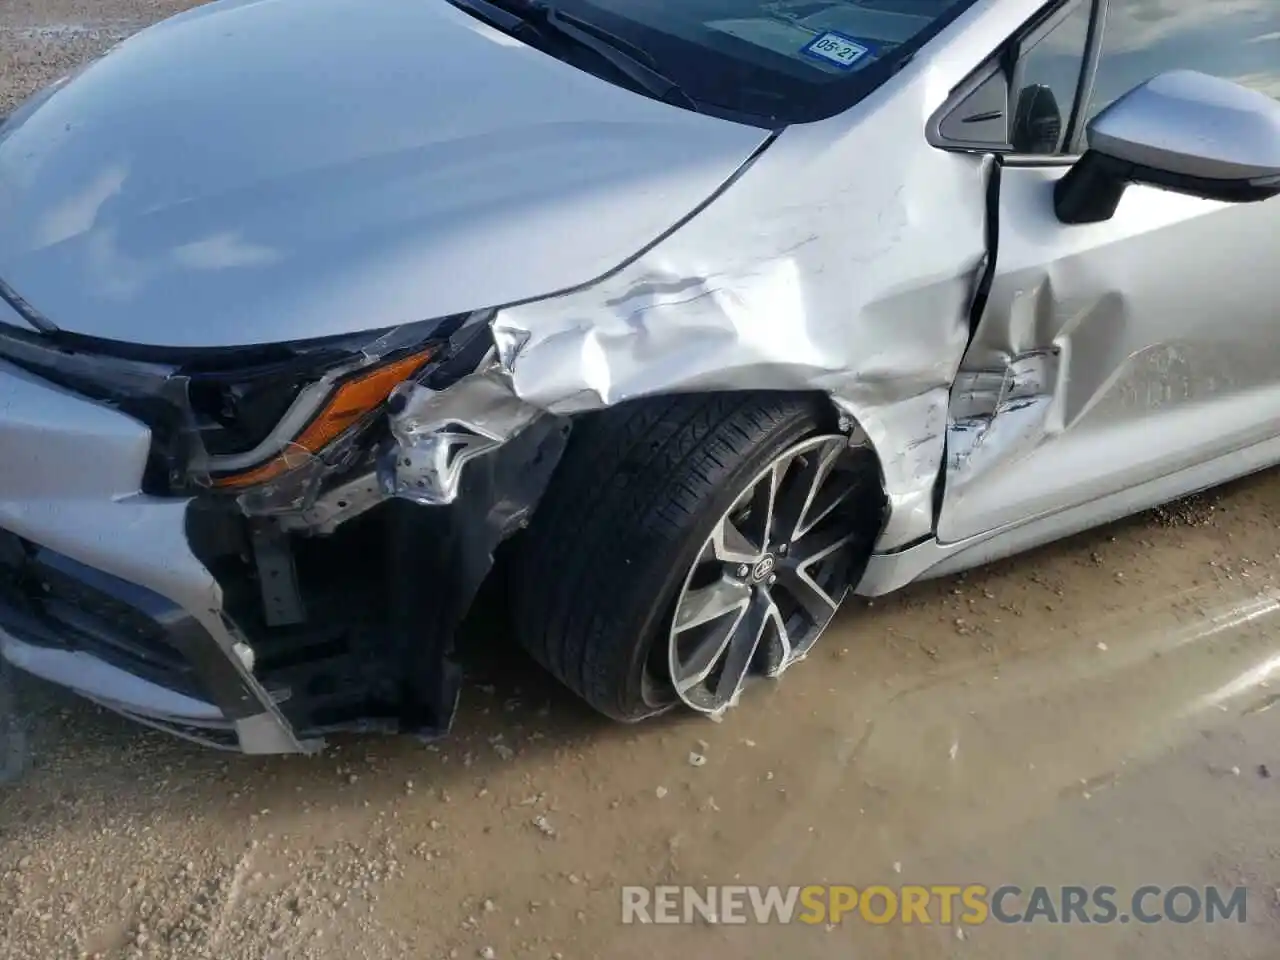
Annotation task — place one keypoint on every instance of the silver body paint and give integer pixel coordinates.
(643, 251)
(809, 273)
(319, 189)
(74, 488)
(438, 433)
(1126, 377)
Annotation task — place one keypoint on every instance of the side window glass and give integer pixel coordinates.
(1237, 40)
(1045, 81)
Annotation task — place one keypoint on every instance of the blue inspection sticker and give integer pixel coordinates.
(836, 49)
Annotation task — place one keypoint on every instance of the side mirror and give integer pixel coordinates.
(1183, 131)
(1037, 121)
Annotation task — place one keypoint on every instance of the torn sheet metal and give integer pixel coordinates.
(435, 433)
(807, 275)
(438, 432)
(464, 469)
(999, 415)
(493, 498)
(305, 472)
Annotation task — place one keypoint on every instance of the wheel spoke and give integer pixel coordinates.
(760, 617)
(697, 665)
(796, 497)
(817, 603)
(711, 602)
(758, 524)
(730, 545)
(796, 578)
(822, 507)
(808, 500)
(826, 497)
(818, 546)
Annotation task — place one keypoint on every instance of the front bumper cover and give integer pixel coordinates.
(108, 591)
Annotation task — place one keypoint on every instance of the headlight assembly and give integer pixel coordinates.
(321, 413)
(264, 423)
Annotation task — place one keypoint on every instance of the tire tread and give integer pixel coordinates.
(632, 488)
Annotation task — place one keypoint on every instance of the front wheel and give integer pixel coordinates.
(688, 545)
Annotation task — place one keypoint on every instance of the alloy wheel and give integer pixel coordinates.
(769, 578)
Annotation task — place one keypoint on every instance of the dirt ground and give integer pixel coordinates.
(1096, 712)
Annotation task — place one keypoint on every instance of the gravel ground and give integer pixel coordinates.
(1096, 712)
(41, 40)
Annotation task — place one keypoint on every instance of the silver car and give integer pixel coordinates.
(676, 321)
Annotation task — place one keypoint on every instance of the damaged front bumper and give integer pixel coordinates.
(259, 632)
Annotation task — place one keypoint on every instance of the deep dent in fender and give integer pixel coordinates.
(780, 284)
(859, 294)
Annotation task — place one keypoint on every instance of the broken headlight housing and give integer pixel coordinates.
(264, 423)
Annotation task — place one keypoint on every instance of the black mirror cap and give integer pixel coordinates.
(1091, 190)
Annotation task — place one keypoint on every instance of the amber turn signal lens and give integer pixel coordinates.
(348, 404)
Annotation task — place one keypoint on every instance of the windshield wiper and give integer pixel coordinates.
(517, 16)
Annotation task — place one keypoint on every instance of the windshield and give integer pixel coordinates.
(778, 61)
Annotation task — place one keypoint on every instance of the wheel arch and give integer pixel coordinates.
(833, 415)
(630, 511)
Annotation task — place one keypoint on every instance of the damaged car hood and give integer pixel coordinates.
(261, 171)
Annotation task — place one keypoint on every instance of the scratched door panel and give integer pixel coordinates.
(1111, 354)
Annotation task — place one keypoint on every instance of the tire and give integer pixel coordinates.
(633, 503)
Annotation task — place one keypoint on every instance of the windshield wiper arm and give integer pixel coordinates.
(546, 20)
